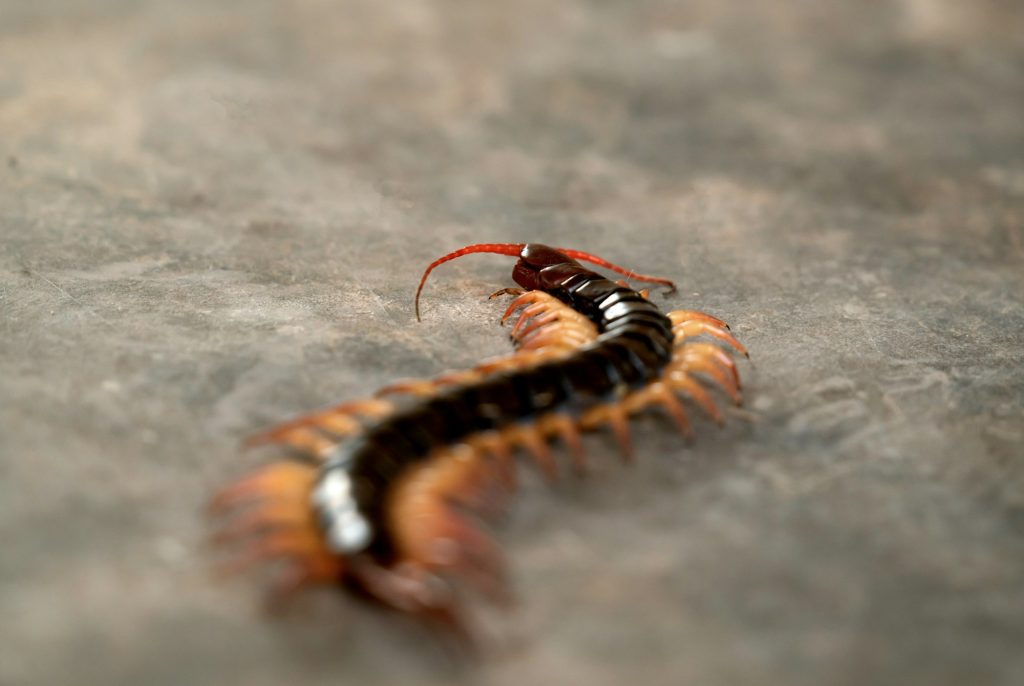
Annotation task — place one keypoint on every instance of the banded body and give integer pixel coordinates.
(380, 506)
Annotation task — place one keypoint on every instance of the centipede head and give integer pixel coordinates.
(534, 258)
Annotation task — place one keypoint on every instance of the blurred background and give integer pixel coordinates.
(213, 215)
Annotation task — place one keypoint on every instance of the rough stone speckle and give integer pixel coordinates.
(213, 215)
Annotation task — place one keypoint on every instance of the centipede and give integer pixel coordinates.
(390, 496)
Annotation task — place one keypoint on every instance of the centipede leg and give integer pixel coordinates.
(318, 433)
(696, 327)
(695, 363)
(506, 291)
(460, 547)
(458, 378)
(499, 453)
(713, 354)
(523, 358)
(526, 299)
(480, 487)
(269, 515)
(678, 317)
(538, 322)
(563, 340)
(307, 440)
(664, 396)
(428, 387)
(530, 438)
(413, 589)
(301, 546)
(616, 417)
(431, 532)
(690, 386)
(531, 313)
(417, 387)
(564, 426)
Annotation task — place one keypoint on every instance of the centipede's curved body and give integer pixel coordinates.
(382, 505)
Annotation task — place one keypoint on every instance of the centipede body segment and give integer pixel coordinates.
(390, 491)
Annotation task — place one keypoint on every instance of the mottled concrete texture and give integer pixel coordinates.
(212, 217)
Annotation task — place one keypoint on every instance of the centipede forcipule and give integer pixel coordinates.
(379, 500)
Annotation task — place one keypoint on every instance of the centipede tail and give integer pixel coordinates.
(396, 489)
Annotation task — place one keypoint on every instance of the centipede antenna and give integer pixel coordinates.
(628, 273)
(511, 249)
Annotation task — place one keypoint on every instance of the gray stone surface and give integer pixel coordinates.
(213, 215)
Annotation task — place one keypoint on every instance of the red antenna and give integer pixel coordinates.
(511, 249)
(628, 273)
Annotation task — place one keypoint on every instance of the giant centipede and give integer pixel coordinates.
(385, 495)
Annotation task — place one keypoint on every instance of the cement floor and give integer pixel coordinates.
(213, 215)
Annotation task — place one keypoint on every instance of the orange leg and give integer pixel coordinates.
(686, 383)
(523, 358)
(563, 426)
(499, 452)
(533, 312)
(526, 299)
(682, 316)
(546, 311)
(713, 354)
(696, 327)
(505, 291)
(415, 590)
(561, 337)
(614, 415)
(532, 439)
(433, 535)
(519, 332)
(458, 378)
(270, 515)
(695, 362)
(418, 387)
(658, 393)
(318, 433)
